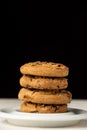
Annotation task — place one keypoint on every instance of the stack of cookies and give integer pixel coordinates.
(43, 87)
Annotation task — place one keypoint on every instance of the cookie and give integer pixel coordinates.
(43, 82)
(41, 108)
(45, 97)
(48, 69)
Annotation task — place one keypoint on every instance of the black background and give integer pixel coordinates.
(41, 38)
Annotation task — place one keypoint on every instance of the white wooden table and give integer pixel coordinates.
(80, 103)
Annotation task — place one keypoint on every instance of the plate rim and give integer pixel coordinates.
(42, 116)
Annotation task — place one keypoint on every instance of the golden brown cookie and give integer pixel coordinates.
(41, 108)
(43, 83)
(48, 69)
(45, 97)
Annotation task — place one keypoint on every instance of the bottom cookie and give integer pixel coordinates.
(41, 108)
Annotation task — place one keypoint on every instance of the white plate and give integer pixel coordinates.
(14, 116)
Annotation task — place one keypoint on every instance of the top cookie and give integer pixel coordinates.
(48, 69)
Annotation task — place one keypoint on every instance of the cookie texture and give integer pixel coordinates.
(44, 87)
(45, 97)
(48, 69)
(43, 82)
(41, 108)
